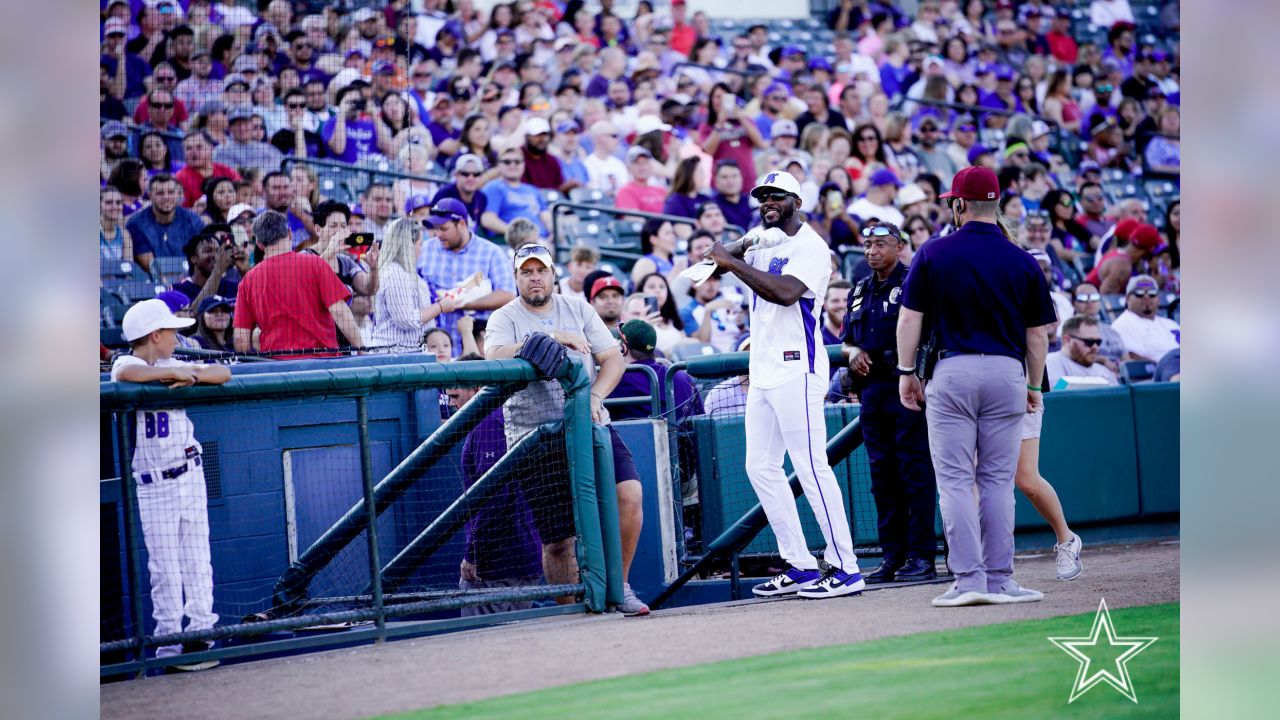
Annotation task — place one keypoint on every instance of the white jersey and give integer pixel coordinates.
(785, 340)
(163, 436)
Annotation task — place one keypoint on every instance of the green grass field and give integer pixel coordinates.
(995, 671)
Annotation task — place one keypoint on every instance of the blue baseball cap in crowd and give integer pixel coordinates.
(214, 301)
(884, 176)
(114, 129)
(792, 50)
(447, 210)
(568, 126)
(357, 210)
(985, 69)
(777, 87)
(1004, 72)
(820, 63)
(415, 202)
(978, 151)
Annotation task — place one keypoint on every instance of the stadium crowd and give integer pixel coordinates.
(344, 119)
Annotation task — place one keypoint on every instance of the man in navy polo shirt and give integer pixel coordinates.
(990, 310)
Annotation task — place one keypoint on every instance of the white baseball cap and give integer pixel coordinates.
(648, 123)
(237, 210)
(777, 180)
(910, 193)
(148, 316)
(536, 126)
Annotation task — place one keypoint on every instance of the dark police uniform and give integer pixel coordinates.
(896, 438)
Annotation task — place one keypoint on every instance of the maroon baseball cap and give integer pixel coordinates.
(603, 283)
(974, 183)
(1145, 236)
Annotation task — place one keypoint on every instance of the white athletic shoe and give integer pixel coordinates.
(955, 598)
(1069, 565)
(631, 604)
(835, 583)
(1011, 592)
(786, 583)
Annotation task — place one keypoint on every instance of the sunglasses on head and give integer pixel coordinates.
(878, 231)
(1088, 297)
(1147, 292)
(1090, 342)
(530, 250)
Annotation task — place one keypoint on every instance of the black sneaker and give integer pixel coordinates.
(189, 648)
(916, 570)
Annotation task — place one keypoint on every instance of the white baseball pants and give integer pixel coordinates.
(175, 528)
(789, 419)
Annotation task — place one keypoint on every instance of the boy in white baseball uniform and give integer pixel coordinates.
(788, 267)
(169, 477)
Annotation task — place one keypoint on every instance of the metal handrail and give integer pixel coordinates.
(559, 205)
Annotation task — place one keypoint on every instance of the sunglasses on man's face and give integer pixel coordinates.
(296, 106)
(1147, 293)
(1089, 342)
(774, 197)
(1088, 297)
(512, 161)
(162, 106)
(468, 173)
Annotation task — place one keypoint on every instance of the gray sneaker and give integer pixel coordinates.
(1069, 565)
(1011, 592)
(631, 604)
(955, 598)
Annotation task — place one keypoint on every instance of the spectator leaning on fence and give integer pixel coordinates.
(294, 299)
(574, 324)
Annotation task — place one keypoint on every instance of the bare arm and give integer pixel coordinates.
(910, 323)
(493, 223)
(753, 132)
(338, 140)
(144, 261)
(1037, 350)
(147, 373)
(612, 365)
(712, 143)
(777, 289)
(467, 330)
(213, 374)
(118, 81)
(346, 323)
(1115, 275)
(243, 340)
(492, 301)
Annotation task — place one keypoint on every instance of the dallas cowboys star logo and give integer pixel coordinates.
(1087, 676)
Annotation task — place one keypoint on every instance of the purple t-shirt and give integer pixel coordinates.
(636, 384)
(361, 139)
(501, 539)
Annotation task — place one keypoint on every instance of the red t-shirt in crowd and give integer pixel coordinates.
(542, 171)
(683, 37)
(641, 196)
(289, 296)
(191, 180)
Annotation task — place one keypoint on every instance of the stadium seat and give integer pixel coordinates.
(684, 351)
(111, 307)
(169, 270)
(1113, 305)
(626, 233)
(113, 338)
(1136, 371)
(850, 261)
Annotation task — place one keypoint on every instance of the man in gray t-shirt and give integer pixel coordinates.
(573, 323)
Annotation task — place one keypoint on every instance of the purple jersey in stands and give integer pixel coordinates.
(501, 540)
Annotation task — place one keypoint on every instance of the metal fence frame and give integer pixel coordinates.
(601, 585)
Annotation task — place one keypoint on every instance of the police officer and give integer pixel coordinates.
(896, 438)
(989, 306)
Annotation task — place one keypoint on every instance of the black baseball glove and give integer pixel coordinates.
(546, 355)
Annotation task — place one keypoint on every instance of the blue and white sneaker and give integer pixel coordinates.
(835, 583)
(791, 581)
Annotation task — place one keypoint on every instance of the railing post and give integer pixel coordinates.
(366, 475)
(582, 476)
(132, 523)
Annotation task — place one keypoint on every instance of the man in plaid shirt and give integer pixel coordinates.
(453, 254)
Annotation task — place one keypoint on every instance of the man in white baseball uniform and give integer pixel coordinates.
(788, 267)
(169, 476)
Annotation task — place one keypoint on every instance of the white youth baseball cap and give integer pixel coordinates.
(148, 316)
(237, 210)
(777, 180)
(648, 123)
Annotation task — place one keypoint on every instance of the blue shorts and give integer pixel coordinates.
(624, 467)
